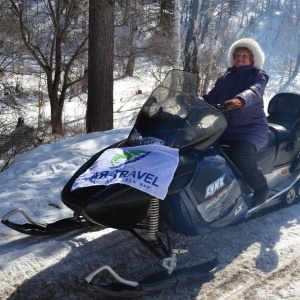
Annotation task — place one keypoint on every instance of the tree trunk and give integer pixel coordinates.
(132, 45)
(56, 116)
(99, 114)
(211, 32)
(176, 38)
(55, 105)
(191, 47)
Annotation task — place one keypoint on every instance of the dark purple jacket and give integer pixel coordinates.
(249, 123)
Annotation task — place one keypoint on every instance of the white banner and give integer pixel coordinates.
(148, 168)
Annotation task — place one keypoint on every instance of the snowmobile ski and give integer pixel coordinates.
(34, 228)
(126, 288)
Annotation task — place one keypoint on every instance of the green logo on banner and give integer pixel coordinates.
(127, 157)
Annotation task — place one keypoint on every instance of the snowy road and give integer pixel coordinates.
(260, 259)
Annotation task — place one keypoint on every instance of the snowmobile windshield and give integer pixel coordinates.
(174, 116)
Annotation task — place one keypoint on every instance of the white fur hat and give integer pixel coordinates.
(259, 56)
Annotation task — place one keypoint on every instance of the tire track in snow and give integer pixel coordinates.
(266, 286)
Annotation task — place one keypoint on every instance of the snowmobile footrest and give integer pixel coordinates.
(34, 228)
(159, 281)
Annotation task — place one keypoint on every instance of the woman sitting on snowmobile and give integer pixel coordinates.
(241, 90)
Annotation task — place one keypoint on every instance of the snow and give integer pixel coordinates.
(260, 258)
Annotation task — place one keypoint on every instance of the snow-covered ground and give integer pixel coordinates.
(260, 259)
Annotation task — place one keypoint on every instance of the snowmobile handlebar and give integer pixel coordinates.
(219, 107)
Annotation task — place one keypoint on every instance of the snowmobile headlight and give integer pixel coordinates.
(135, 138)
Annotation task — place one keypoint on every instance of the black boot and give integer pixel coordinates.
(260, 196)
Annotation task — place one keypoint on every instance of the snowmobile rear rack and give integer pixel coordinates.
(126, 288)
(34, 228)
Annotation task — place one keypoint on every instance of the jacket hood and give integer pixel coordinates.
(259, 56)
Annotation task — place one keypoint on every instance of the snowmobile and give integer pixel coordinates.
(206, 191)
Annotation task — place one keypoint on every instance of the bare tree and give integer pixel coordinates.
(211, 31)
(293, 41)
(191, 43)
(133, 25)
(52, 33)
(177, 38)
(293, 76)
(143, 29)
(99, 113)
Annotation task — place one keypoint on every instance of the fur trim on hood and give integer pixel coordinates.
(259, 56)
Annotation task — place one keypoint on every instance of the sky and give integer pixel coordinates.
(260, 259)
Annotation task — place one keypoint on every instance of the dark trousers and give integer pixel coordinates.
(242, 154)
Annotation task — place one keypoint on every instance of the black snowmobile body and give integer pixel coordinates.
(123, 207)
(207, 191)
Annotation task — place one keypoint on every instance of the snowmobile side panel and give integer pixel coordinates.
(295, 166)
(285, 151)
(211, 200)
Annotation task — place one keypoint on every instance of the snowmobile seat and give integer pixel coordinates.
(284, 121)
(284, 109)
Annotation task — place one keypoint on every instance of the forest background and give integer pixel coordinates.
(49, 49)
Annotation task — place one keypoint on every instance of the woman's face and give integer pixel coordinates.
(242, 58)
